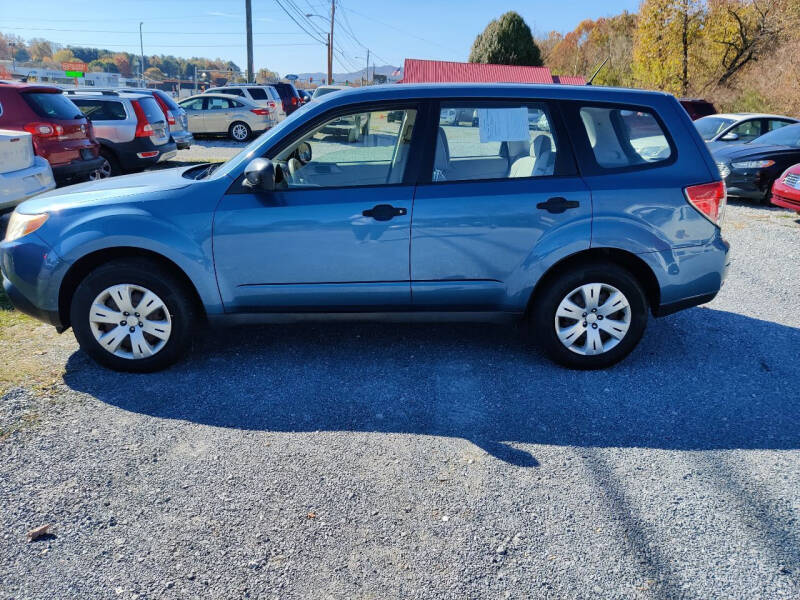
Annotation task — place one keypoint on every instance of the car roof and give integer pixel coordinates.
(100, 96)
(219, 95)
(741, 116)
(31, 87)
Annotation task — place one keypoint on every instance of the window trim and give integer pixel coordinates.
(587, 163)
(411, 174)
(565, 165)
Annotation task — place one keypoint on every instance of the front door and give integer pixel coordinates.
(500, 193)
(335, 234)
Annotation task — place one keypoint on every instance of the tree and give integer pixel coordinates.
(506, 41)
(40, 49)
(64, 55)
(267, 76)
(123, 63)
(666, 37)
(154, 73)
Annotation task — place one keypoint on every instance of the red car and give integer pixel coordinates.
(61, 134)
(697, 107)
(786, 189)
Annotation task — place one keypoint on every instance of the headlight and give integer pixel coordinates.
(20, 225)
(753, 164)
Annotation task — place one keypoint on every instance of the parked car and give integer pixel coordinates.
(61, 134)
(225, 114)
(304, 96)
(263, 95)
(289, 96)
(132, 130)
(323, 90)
(581, 238)
(749, 170)
(176, 116)
(786, 189)
(22, 173)
(697, 107)
(739, 128)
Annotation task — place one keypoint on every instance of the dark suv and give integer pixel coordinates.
(61, 133)
(289, 96)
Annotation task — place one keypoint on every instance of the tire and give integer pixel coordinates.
(174, 317)
(239, 131)
(594, 328)
(110, 167)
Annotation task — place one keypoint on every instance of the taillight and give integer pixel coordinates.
(44, 129)
(165, 109)
(259, 111)
(709, 199)
(170, 118)
(272, 105)
(294, 100)
(143, 127)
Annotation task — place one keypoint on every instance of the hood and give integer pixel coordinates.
(105, 191)
(747, 151)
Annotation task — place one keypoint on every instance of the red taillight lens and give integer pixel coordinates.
(165, 109)
(43, 129)
(709, 199)
(170, 118)
(294, 100)
(143, 127)
(272, 105)
(259, 111)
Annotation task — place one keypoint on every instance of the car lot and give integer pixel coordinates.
(452, 462)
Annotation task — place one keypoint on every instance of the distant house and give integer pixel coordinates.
(440, 71)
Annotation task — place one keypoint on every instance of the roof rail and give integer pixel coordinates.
(72, 92)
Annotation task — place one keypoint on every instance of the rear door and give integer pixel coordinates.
(497, 196)
(217, 114)
(195, 114)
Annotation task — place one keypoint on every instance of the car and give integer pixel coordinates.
(23, 174)
(581, 238)
(323, 90)
(786, 189)
(697, 107)
(263, 95)
(176, 116)
(132, 130)
(234, 116)
(739, 128)
(289, 96)
(61, 133)
(749, 170)
(304, 96)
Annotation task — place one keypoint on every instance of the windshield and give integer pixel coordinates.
(321, 91)
(709, 127)
(785, 136)
(256, 148)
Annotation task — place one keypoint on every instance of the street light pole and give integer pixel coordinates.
(330, 43)
(249, 23)
(141, 53)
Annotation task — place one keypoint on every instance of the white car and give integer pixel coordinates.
(22, 173)
(326, 89)
(740, 128)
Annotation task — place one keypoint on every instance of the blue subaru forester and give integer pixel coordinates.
(578, 209)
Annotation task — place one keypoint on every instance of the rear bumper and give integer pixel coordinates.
(127, 153)
(21, 185)
(182, 139)
(77, 168)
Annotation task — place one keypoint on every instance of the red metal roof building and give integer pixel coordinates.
(439, 71)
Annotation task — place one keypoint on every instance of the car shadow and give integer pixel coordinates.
(703, 379)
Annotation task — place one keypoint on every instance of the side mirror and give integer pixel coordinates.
(259, 174)
(729, 137)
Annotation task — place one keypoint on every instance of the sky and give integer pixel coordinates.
(392, 30)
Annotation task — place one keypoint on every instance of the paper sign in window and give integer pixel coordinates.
(503, 124)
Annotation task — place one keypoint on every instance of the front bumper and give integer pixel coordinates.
(750, 184)
(21, 185)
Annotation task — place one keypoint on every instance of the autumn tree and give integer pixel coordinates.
(506, 41)
(40, 49)
(63, 55)
(123, 63)
(665, 43)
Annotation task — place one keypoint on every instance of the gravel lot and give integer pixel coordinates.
(422, 461)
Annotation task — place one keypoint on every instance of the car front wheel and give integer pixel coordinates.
(590, 317)
(132, 315)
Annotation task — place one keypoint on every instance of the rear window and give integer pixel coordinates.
(257, 93)
(166, 99)
(101, 110)
(622, 138)
(151, 109)
(52, 106)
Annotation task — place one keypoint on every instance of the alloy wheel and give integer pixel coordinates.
(592, 319)
(102, 173)
(239, 132)
(130, 321)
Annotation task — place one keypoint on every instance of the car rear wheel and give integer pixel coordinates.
(109, 168)
(133, 315)
(239, 131)
(590, 317)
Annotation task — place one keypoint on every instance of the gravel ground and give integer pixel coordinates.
(208, 149)
(424, 461)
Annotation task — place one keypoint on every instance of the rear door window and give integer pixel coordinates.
(257, 93)
(622, 138)
(232, 91)
(218, 103)
(494, 141)
(52, 106)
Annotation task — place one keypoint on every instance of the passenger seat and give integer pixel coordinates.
(539, 163)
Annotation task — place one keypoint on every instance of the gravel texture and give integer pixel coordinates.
(426, 461)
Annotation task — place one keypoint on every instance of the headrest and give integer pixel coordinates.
(541, 145)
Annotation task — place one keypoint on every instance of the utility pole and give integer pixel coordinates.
(330, 43)
(141, 53)
(249, 18)
(366, 73)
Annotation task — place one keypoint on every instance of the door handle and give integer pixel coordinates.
(384, 212)
(558, 205)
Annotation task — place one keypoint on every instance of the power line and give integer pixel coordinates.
(355, 12)
(152, 32)
(311, 35)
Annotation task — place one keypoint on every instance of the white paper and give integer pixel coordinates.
(503, 124)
